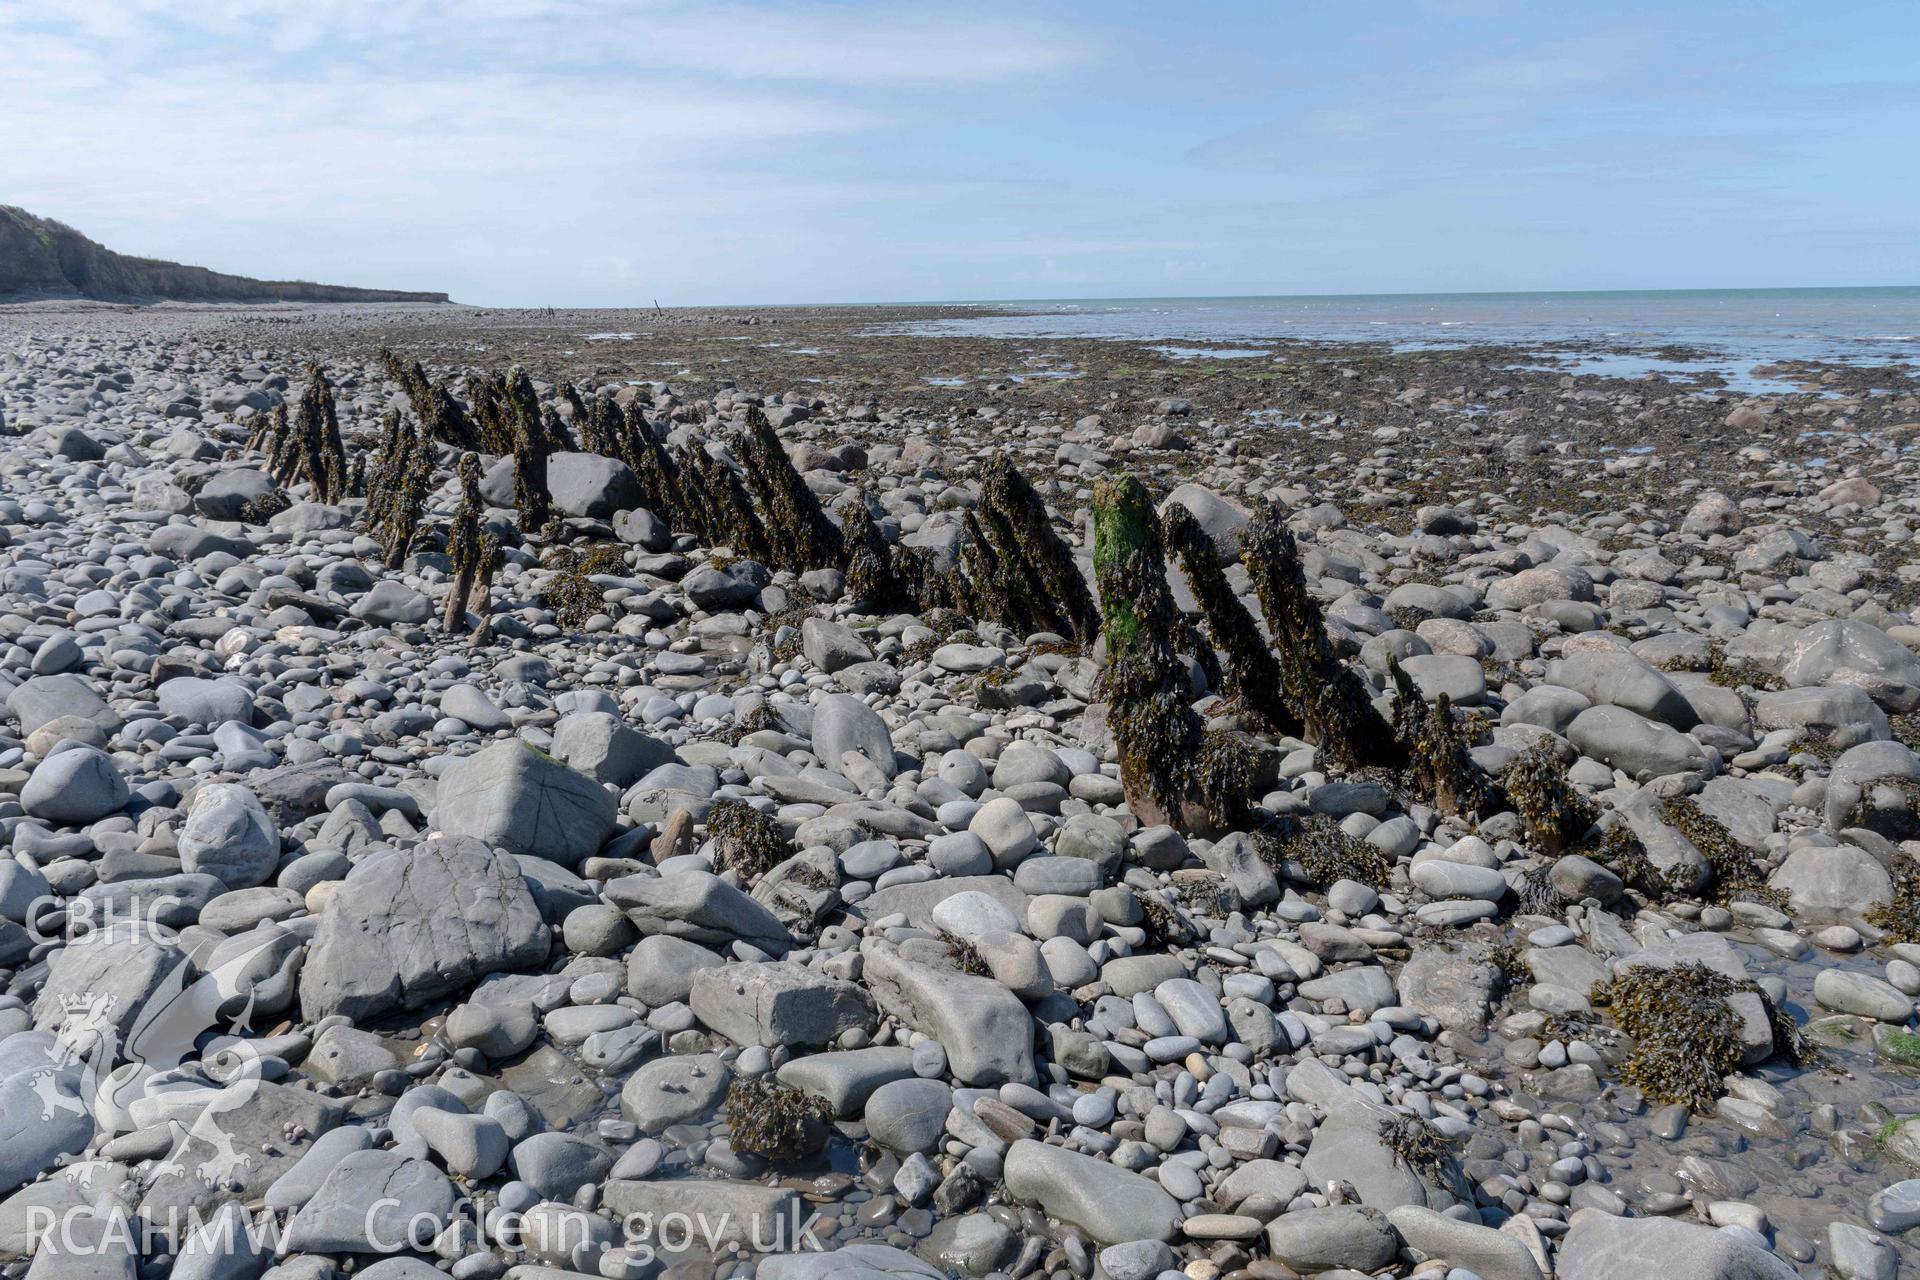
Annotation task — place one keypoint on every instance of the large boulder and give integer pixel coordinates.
(75, 786)
(1600, 1246)
(411, 926)
(697, 907)
(1636, 746)
(607, 749)
(373, 1202)
(1623, 680)
(1829, 883)
(1107, 1202)
(779, 1004)
(44, 1114)
(590, 486)
(1848, 651)
(228, 835)
(843, 723)
(521, 800)
(44, 699)
(986, 1031)
(1221, 518)
(207, 702)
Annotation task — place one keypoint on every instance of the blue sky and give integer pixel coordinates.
(588, 152)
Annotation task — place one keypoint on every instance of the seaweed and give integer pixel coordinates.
(965, 956)
(745, 840)
(1555, 815)
(1899, 917)
(433, 404)
(1616, 848)
(571, 593)
(402, 478)
(465, 546)
(779, 1124)
(1687, 1038)
(1051, 594)
(1736, 876)
(875, 574)
(800, 533)
(530, 447)
(1419, 1146)
(1328, 855)
(308, 448)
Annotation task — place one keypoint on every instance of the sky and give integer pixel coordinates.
(607, 153)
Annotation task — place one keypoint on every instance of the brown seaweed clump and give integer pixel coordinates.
(1251, 674)
(1331, 700)
(745, 840)
(1034, 578)
(1436, 749)
(1164, 755)
(1328, 855)
(1420, 1147)
(1687, 1037)
(874, 572)
(779, 1124)
(1616, 848)
(1899, 917)
(1556, 816)
(571, 593)
(1736, 876)
(965, 956)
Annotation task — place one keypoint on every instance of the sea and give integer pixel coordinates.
(1625, 333)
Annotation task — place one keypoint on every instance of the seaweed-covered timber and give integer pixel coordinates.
(1252, 674)
(1331, 699)
(799, 531)
(492, 417)
(1037, 585)
(432, 403)
(1553, 812)
(1174, 772)
(480, 600)
(876, 574)
(272, 436)
(465, 545)
(718, 506)
(308, 449)
(1437, 755)
(531, 446)
(402, 479)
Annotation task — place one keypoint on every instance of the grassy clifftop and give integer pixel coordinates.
(41, 258)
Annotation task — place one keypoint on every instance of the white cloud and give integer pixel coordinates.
(531, 135)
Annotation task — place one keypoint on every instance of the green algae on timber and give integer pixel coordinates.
(1174, 772)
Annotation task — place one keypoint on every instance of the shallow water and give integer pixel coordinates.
(1727, 332)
